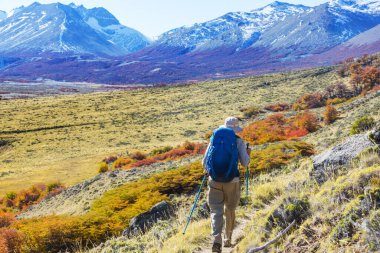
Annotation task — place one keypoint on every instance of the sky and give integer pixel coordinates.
(153, 17)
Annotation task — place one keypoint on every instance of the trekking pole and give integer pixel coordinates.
(195, 203)
(246, 177)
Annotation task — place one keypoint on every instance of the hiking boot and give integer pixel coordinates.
(227, 244)
(217, 247)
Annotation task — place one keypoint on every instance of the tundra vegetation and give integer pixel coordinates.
(337, 215)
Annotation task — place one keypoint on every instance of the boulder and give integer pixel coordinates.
(327, 163)
(375, 134)
(142, 222)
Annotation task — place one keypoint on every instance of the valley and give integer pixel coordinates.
(65, 137)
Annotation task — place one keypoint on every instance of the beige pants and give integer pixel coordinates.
(223, 198)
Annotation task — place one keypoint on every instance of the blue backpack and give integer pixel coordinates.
(222, 156)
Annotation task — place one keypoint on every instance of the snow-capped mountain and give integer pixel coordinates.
(235, 29)
(367, 6)
(277, 37)
(16, 10)
(62, 28)
(3, 15)
(107, 24)
(316, 31)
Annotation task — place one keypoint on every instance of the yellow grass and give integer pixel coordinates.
(92, 126)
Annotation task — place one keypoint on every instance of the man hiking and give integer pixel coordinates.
(221, 163)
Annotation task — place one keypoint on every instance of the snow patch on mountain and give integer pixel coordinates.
(16, 10)
(3, 15)
(367, 6)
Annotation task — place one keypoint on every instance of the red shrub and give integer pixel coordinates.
(173, 154)
(10, 240)
(278, 128)
(147, 161)
(279, 107)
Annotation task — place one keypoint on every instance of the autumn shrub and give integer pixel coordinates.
(338, 90)
(110, 159)
(53, 186)
(138, 155)
(109, 215)
(250, 111)
(330, 115)
(6, 219)
(121, 162)
(370, 77)
(279, 107)
(307, 120)
(277, 155)
(27, 197)
(103, 167)
(145, 162)
(362, 124)
(162, 150)
(336, 101)
(10, 240)
(309, 101)
(279, 128)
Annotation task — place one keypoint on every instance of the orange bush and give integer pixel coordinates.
(307, 120)
(25, 198)
(370, 77)
(10, 240)
(6, 219)
(330, 114)
(120, 162)
(309, 101)
(279, 107)
(278, 128)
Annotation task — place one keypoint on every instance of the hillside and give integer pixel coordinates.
(77, 131)
(314, 165)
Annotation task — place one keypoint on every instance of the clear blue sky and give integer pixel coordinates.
(153, 17)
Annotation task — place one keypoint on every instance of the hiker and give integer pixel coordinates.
(221, 163)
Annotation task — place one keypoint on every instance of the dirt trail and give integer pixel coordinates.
(237, 236)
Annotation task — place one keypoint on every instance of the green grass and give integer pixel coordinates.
(65, 137)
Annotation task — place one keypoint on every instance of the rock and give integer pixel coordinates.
(142, 222)
(327, 163)
(375, 134)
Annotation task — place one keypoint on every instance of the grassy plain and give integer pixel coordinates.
(65, 137)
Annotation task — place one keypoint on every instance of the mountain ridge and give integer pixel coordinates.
(61, 28)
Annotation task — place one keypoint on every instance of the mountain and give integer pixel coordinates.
(276, 37)
(106, 24)
(321, 29)
(367, 42)
(16, 10)
(3, 15)
(61, 28)
(236, 29)
(367, 6)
